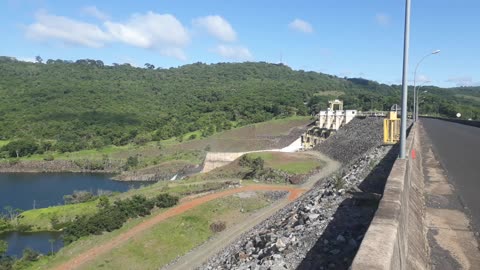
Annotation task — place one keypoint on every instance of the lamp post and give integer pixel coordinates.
(415, 104)
(403, 121)
(418, 97)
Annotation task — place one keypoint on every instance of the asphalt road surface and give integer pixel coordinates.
(457, 147)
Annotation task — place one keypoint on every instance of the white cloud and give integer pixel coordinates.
(95, 12)
(51, 27)
(238, 53)
(27, 59)
(150, 30)
(463, 81)
(301, 26)
(216, 26)
(161, 32)
(382, 19)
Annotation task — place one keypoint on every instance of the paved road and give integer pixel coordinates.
(457, 147)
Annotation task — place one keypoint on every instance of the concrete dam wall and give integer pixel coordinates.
(396, 238)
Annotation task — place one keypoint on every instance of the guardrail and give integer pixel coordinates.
(395, 238)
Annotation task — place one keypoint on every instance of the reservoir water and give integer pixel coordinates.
(27, 190)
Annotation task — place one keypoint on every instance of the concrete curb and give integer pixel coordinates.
(397, 226)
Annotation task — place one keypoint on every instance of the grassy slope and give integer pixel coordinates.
(164, 242)
(167, 150)
(295, 163)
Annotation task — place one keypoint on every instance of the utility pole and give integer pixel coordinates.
(403, 126)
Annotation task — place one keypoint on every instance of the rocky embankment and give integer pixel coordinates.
(324, 228)
(41, 166)
(156, 173)
(353, 140)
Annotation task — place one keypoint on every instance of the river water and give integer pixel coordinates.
(27, 190)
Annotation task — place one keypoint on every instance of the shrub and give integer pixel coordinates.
(165, 200)
(30, 255)
(5, 225)
(54, 221)
(92, 165)
(142, 139)
(49, 158)
(112, 216)
(132, 162)
(339, 182)
(256, 165)
(23, 227)
(218, 226)
(104, 202)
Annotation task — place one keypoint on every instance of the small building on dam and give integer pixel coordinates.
(327, 123)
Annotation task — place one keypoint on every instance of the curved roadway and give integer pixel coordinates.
(457, 147)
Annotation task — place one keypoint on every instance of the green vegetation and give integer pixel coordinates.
(64, 106)
(294, 163)
(41, 219)
(112, 216)
(79, 196)
(272, 167)
(255, 166)
(57, 217)
(8, 263)
(164, 242)
(5, 261)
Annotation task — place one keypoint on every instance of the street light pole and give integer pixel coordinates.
(406, 42)
(418, 103)
(415, 104)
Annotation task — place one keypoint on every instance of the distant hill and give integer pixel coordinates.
(85, 104)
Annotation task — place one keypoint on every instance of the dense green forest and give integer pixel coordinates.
(68, 106)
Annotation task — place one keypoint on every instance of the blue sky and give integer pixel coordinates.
(345, 38)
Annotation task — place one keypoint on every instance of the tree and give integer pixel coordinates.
(39, 59)
(89, 106)
(21, 148)
(149, 66)
(13, 213)
(103, 202)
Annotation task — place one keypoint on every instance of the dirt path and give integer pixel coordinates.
(294, 193)
(91, 254)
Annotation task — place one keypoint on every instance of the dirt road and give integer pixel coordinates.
(294, 193)
(89, 255)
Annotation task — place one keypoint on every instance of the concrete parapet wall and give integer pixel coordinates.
(396, 237)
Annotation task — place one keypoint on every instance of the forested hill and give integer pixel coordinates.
(85, 104)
